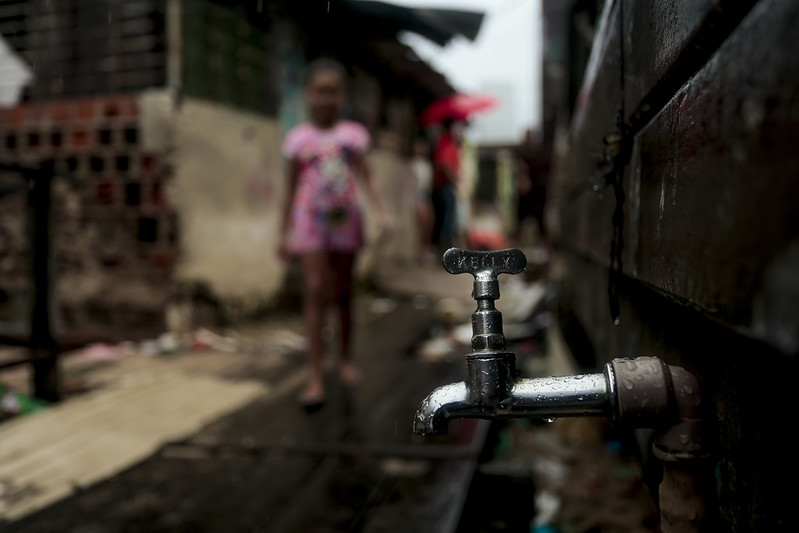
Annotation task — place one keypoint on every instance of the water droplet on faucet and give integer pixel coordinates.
(628, 384)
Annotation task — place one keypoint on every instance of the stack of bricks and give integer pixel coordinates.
(113, 231)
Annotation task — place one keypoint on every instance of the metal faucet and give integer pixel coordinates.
(639, 392)
(492, 389)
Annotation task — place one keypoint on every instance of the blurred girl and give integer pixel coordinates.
(322, 219)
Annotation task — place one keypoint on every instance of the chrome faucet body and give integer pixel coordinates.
(492, 389)
(640, 392)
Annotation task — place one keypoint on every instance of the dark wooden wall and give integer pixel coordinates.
(677, 202)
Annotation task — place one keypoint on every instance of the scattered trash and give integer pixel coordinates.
(485, 231)
(98, 352)
(148, 347)
(168, 344)
(520, 299)
(421, 301)
(128, 348)
(522, 330)
(398, 467)
(436, 349)
(463, 334)
(451, 311)
(537, 256)
(216, 341)
(13, 403)
(9, 403)
(383, 306)
(286, 341)
(547, 505)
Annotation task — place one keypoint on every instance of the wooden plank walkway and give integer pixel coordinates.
(46, 456)
(270, 466)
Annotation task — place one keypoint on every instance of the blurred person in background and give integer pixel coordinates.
(422, 170)
(322, 218)
(446, 175)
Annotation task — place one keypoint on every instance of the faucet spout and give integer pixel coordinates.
(444, 403)
(582, 395)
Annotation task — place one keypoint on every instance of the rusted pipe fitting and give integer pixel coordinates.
(683, 447)
(643, 391)
(685, 437)
(650, 393)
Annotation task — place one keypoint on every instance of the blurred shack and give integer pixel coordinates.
(161, 122)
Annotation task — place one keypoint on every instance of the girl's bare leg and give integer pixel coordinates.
(342, 268)
(314, 265)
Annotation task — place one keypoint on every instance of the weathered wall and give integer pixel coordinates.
(113, 231)
(393, 181)
(228, 190)
(682, 224)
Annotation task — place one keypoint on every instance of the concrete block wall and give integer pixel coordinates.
(114, 232)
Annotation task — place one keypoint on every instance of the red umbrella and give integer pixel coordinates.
(456, 107)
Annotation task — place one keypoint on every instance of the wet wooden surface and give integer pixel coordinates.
(710, 186)
(710, 232)
(665, 43)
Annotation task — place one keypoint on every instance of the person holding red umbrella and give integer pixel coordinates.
(446, 175)
(451, 111)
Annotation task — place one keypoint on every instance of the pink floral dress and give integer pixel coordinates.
(325, 213)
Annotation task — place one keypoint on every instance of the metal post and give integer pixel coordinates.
(45, 377)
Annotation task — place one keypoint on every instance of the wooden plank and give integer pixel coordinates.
(236, 494)
(666, 42)
(86, 440)
(714, 185)
(586, 203)
(598, 107)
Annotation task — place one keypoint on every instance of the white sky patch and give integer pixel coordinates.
(506, 54)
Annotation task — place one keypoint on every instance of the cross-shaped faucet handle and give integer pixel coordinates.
(487, 337)
(510, 261)
(485, 267)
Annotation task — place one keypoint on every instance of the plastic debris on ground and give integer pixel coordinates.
(436, 349)
(520, 299)
(14, 403)
(452, 311)
(463, 334)
(382, 306)
(399, 467)
(421, 301)
(286, 341)
(97, 352)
